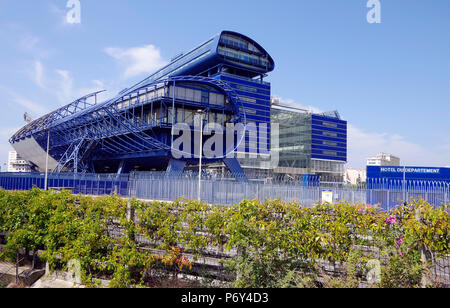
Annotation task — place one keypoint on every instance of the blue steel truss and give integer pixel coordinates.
(50, 119)
(84, 133)
(82, 130)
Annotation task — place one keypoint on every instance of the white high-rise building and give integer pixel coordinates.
(384, 159)
(17, 164)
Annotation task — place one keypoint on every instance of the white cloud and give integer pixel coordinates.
(29, 42)
(363, 145)
(64, 91)
(39, 74)
(17, 99)
(60, 84)
(137, 60)
(28, 104)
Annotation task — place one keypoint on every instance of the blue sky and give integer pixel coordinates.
(390, 81)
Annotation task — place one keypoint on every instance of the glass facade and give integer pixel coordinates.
(294, 138)
(311, 143)
(242, 52)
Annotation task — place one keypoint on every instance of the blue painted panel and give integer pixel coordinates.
(317, 122)
(324, 152)
(321, 143)
(329, 129)
(343, 159)
(322, 147)
(328, 119)
(412, 173)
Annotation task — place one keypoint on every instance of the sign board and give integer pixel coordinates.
(409, 173)
(327, 196)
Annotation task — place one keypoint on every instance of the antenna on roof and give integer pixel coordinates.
(27, 118)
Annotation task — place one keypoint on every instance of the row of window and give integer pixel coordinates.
(182, 115)
(180, 93)
(328, 134)
(238, 43)
(244, 57)
(241, 80)
(327, 166)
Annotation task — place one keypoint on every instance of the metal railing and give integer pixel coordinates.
(87, 184)
(224, 190)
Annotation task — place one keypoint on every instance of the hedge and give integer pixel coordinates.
(277, 244)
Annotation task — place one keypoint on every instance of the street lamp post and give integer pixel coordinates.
(404, 185)
(200, 113)
(46, 160)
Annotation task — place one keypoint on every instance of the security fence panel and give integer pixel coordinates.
(227, 191)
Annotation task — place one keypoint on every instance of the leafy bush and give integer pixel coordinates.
(275, 244)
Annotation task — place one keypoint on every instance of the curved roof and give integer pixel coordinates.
(271, 66)
(206, 55)
(201, 58)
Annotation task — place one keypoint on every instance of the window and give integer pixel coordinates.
(329, 143)
(328, 124)
(211, 117)
(216, 99)
(189, 117)
(329, 153)
(180, 118)
(143, 98)
(220, 118)
(205, 97)
(329, 134)
(180, 93)
(169, 114)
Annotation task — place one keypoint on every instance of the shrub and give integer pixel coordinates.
(277, 244)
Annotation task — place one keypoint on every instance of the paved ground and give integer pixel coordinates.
(8, 272)
(51, 282)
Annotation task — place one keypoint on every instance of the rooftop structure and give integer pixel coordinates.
(384, 159)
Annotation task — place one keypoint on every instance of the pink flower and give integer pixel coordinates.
(399, 240)
(391, 220)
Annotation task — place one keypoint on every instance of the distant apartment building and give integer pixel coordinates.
(384, 159)
(17, 163)
(355, 176)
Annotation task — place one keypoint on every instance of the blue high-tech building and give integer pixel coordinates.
(222, 79)
(309, 143)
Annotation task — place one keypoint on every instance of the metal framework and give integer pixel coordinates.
(130, 128)
(82, 131)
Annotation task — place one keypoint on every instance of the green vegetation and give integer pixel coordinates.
(278, 244)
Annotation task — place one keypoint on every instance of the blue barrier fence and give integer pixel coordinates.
(88, 184)
(390, 193)
(226, 191)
